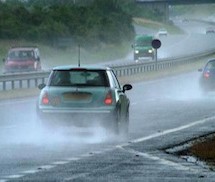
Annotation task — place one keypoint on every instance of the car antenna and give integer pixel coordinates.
(79, 61)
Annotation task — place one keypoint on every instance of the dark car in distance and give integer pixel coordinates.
(22, 58)
(83, 95)
(210, 30)
(207, 78)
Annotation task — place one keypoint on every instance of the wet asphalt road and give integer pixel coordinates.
(163, 113)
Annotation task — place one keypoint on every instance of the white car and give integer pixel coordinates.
(83, 96)
(162, 32)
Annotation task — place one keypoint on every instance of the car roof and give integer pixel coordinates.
(23, 48)
(143, 37)
(162, 29)
(211, 60)
(87, 67)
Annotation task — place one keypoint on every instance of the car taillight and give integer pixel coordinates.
(108, 99)
(45, 99)
(206, 75)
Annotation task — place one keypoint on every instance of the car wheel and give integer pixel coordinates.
(113, 124)
(124, 125)
(121, 124)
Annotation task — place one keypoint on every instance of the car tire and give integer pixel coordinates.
(124, 125)
(120, 124)
(113, 125)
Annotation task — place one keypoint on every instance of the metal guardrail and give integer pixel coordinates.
(161, 64)
(32, 79)
(22, 80)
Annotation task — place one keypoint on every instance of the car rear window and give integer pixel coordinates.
(21, 54)
(79, 78)
(210, 65)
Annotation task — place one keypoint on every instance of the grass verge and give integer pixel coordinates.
(204, 150)
(51, 56)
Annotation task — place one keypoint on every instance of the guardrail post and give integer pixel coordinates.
(119, 73)
(4, 85)
(20, 83)
(12, 84)
(28, 83)
(36, 82)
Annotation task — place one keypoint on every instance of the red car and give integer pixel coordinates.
(21, 59)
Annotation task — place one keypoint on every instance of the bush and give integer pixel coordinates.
(101, 22)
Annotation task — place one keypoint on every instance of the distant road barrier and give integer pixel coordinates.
(141, 67)
(33, 79)
(22, 80)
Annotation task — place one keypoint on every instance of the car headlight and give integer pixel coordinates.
(136, 51)
(150, 51)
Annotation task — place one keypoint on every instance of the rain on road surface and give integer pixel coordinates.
(163, 113)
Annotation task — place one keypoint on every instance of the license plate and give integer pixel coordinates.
(76, 96)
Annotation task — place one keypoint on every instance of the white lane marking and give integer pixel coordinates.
(31, 171)
(15, 176)
(121, 146)
(60, 162)
(52, 165)
(73, 159)
(46, 167)
(169, 131)
(177, 166)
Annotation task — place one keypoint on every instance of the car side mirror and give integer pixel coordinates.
(41, 86)
(127, 87)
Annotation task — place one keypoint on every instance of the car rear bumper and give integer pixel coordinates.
(75, 111)
(144, 54)
(18, 69)
(77, 117)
